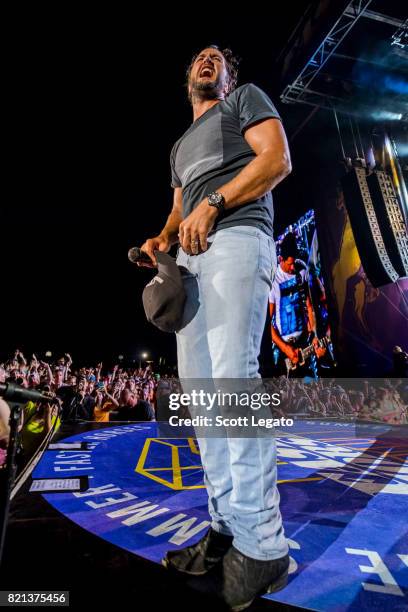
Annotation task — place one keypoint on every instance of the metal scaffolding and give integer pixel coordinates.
(300, 90)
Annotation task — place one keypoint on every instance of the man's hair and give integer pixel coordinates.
(288, 247)
(231, 61)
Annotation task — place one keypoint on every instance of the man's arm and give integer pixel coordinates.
(98, 371)
(114, 403)
(287, 349)
(67, 366)
(169, 234)
(271, 164)
(50, 377)
(23, 360)
(311, 326)
(311, 323)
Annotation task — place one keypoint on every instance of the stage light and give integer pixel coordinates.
(386, 116)
(48, 354)
(402, 149)
(399, 86)
(143, 356)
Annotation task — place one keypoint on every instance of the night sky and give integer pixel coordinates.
(103, 102)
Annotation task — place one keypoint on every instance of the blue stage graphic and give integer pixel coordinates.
(344, 501)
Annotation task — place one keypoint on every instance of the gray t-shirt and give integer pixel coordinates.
(213, 151)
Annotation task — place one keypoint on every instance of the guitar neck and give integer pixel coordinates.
(306, 352)
(309, 349)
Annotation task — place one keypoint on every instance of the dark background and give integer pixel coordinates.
(102, 103)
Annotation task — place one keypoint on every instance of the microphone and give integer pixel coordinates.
(20, 395)
(135, 255)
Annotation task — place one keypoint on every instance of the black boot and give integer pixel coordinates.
(198, 559)
(239, 579)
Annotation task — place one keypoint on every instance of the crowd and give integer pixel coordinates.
(89, 393)
(381, 400)
(138, 394)
(79, 393)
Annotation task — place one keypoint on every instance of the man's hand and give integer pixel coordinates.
(292, 353)
(319, 350)
(193, 231)
(158, 243)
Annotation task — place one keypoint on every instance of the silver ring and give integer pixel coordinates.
(194, 242)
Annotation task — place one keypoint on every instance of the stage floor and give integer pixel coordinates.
(344, 501)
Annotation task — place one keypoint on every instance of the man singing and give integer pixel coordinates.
(223, 170)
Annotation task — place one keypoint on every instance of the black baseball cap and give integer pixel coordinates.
(164, 297)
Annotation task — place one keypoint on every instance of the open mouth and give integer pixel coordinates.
(206, 72)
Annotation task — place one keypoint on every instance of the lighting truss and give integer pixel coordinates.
(300, 86)
(400, 38)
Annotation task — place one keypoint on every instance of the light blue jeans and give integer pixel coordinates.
(227, 294)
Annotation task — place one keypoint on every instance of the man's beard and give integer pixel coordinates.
(206, 90)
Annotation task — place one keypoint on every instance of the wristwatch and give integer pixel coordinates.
(217, 200)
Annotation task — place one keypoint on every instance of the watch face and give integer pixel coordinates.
(215, 198)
